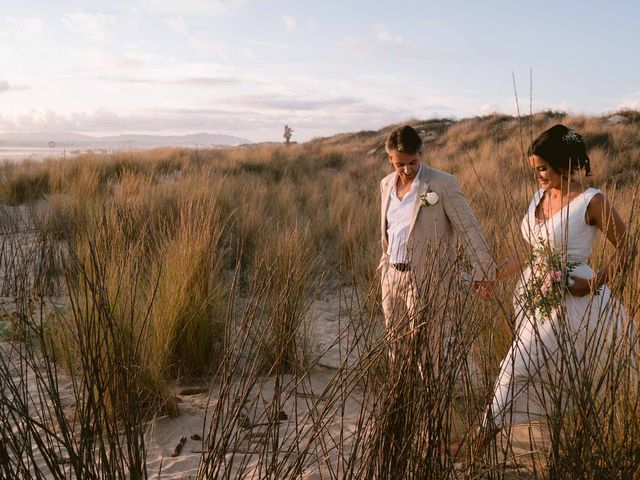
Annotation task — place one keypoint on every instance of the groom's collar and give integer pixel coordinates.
(423, 173)
(423, 178)
(416, 181)
(423, 187)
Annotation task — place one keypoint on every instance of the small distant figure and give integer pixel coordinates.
(287, 134)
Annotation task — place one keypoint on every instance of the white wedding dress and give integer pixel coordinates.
(580, 339)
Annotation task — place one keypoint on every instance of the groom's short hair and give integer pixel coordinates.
(404, 139)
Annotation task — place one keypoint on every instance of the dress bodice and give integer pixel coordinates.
(567, 231)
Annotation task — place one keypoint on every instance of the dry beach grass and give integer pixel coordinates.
(128, 276)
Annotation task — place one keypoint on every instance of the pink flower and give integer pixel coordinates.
(549, 279)
(546, 283)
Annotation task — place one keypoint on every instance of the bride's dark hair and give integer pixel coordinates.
(563, 149)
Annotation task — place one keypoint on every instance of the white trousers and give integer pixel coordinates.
(399, 304)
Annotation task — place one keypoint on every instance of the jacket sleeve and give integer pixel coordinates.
(468, 231)
(384, 258)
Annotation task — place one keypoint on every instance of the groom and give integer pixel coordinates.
(424, 218)
(423, 215)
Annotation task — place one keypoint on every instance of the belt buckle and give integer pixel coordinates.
(401, 267)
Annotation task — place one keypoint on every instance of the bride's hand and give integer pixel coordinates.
(578, 286)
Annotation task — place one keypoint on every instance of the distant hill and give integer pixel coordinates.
(435, 132)
(71, 140)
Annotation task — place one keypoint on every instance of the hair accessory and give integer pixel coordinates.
(571, 137)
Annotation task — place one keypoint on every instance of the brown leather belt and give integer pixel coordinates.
(402, 267)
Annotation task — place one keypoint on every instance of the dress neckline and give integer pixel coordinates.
(540, 221)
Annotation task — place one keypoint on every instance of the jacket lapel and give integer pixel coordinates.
(423, 186)
(386, 192)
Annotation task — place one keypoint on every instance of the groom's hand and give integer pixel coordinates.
(484, 288)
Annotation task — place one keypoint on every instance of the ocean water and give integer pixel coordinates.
(28, 153)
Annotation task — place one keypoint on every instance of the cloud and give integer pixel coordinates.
(91, 59)
(557, 107)
(354, 47)
(289, 103)
(24, 28)
(33, 25)
(292, 23)
(49, 120)
(93, 27)
(36, 119)
(630, 102)
(248, 52)
(341, 114)
(430, 23)
(630, 105)
(489, 108)
(190, 7)
(178, 25)
(383, 34)
(5, 86)
(106, 121)
(208, 47)
(289, 22)
(190, 81)
(260, 43)
(204, 81)
(436, 107)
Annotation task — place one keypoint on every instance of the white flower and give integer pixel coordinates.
(429, 198)
(571, 137)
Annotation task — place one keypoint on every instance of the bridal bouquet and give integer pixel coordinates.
(549, 280)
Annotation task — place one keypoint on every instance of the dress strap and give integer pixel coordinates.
(588, 194)
(535, 201)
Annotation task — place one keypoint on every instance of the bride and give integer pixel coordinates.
(567, 323)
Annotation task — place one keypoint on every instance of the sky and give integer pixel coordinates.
(247, 67)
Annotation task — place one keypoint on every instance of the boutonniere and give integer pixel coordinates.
(429, 198)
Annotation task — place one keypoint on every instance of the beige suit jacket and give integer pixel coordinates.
(436, 229)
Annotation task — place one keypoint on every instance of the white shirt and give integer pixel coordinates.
(399, 216)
